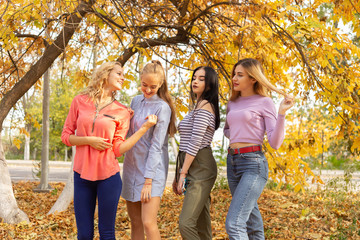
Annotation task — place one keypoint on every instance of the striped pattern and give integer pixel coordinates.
(196, 131)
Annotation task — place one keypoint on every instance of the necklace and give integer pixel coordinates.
(98, 109)
(102, 105)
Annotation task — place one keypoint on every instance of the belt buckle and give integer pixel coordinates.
(232, 151)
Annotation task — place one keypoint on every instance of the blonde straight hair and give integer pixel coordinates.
(255, 71)
(155, 67)
(99, 79)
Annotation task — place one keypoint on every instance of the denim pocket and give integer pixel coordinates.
(245, 163)
(251, 156)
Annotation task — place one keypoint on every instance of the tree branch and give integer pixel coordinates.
(352, 4)
(49, 56)
(7, 5)
(206, 10)
(304, 59)
(20, 35)
(151, 43)
(13, 62)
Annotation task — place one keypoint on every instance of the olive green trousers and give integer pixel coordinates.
(194, 220)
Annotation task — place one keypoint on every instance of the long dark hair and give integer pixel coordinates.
(211, 92)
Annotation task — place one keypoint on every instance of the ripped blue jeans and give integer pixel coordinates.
(247, 174)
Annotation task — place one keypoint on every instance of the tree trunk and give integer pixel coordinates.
(56, 154)
(67, 195)
(26, 100)
(174, 147)
(9, 210)
(27, 142)
(50, 55)
(44, 180)
(34, 154)
(27, 148)
(66, 154)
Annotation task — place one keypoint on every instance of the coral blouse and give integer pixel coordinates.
(110, 122)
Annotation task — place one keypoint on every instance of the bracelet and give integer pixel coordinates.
(181, 172)
(147, 183)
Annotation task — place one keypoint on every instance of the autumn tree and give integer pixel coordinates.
(17, 81)
(302, 50)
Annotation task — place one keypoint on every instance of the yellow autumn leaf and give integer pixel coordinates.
(17, 142)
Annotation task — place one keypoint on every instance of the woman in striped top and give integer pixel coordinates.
(198, 168)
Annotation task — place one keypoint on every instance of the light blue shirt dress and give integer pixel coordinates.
(149, 157)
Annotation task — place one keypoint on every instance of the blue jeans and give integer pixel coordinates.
(247, 174)
(107, 192)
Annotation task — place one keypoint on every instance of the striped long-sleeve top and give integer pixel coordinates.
(196, 131)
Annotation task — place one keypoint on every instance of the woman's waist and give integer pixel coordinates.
(242, 144)
(88, 153)
(203, 157)
(244, 141)
(95, 168)
(241, 148)
(184, 146)
(182, 150)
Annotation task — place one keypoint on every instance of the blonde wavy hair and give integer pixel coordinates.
(99, 79)
(155, 67)
(254, 69)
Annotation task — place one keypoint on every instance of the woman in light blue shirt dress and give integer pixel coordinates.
(146, 164)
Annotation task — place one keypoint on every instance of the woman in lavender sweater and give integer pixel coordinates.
(250, 112)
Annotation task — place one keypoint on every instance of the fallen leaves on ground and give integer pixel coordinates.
(286, 215)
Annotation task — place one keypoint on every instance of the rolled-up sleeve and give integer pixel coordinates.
(157, 141)
(70, 123)
(121, 130)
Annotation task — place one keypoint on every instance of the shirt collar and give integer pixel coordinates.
(154, 98)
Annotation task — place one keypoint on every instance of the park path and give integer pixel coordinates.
(21, 170)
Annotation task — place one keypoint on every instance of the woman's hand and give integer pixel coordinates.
(174, 187)
(99, 143)
(286, 104)
(146, 192)
(180, 184)
(151, 121)
(131, 112)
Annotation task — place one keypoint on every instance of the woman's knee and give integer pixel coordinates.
(229, 225)
(149, 225)
(185, 225)
(134, 212)
(136, 220)
(235, 225)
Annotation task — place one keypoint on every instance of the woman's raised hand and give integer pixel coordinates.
(151, 121)
(131, 112)
(286, 104)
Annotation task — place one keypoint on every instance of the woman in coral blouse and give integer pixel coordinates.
(101, 124)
